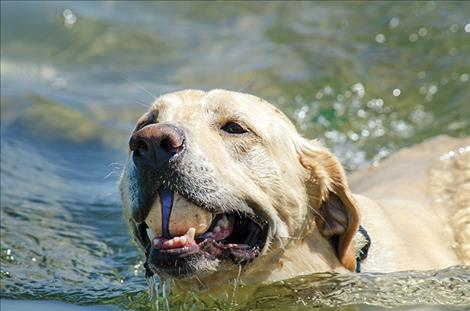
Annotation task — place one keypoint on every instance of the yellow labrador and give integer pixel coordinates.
(219, 184)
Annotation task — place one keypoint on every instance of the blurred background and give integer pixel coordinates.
(367, 78)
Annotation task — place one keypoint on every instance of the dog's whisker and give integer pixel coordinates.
(115, 164)
(236, 285)
(246, 85)
(110, 174)
(142, 104)
(292, 238)
(142, 88)
(200, 282)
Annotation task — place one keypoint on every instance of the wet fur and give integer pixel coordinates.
(297, 184)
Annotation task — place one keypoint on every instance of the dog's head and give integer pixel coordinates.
(215, 180)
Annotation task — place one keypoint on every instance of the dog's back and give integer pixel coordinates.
(422, 216)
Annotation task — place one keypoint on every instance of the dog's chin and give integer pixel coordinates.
(199, 264)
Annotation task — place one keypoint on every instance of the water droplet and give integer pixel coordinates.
(422, 32)
(464, 77)
(454, 28)
(375, 103)
(380, 38)
(432, 89)
(413, 37)
(401, 128)
(303, 112)
(394, 22)
(396, 92)
(467, 27)
(358, 88)
(353, 136)
(327, 90)
(379, 132)
(421, 74)
(69, 18)
(419, 116)
(362, 113)
(339, 108)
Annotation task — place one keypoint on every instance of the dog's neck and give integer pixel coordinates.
(304, 256)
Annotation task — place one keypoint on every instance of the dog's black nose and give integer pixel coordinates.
(156, 144)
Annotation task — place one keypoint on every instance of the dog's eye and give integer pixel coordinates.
(233, 128)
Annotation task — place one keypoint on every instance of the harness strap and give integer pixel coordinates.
(363, 243)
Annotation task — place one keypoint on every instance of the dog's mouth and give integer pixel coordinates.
(182, 239)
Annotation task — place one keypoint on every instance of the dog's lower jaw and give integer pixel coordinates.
(264, 267)
(296, 259)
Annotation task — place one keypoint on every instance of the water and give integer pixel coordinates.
(367, 78)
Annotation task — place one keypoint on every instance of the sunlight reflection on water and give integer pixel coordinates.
(365, 78)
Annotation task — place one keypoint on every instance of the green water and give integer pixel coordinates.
(367, 78)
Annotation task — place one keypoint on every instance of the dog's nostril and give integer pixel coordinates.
(171, 145)
(165, 144)
(141, 148)
(156, 143)
(138, 145)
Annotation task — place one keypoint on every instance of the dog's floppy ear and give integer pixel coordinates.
(335, 211)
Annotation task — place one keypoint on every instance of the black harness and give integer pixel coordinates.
(364, 248)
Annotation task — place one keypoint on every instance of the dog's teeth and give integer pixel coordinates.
(222, 222)
(170, 243)
(190, 234)
(216, 229)
(183, 240)
(225, 221)
(150, 234)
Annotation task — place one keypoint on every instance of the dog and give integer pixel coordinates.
(220, 185)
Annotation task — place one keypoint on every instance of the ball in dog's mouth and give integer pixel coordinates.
(183, 239)
(171, 215)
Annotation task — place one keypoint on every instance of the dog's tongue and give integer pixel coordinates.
(172, 215)
(166, 201)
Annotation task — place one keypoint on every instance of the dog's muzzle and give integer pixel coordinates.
(182, 233)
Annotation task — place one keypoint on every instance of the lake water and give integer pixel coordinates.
(368, 78)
